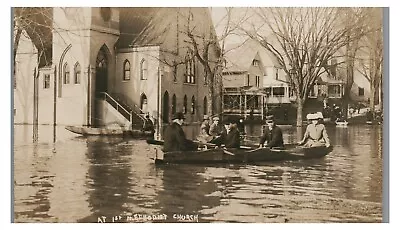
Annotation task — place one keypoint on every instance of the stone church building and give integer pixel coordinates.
(104, 66)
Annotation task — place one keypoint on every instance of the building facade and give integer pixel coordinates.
(112, 66)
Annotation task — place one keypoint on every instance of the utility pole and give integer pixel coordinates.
(35, 106)
(55, 103)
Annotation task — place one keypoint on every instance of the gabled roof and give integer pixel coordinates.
(239, 57)
(136, 24)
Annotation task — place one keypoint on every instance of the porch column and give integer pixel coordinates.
(240, 104)
(245, 106)
(262, 106)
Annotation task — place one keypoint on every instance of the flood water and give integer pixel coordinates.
(81, 179)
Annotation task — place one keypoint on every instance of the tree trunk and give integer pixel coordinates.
(299, 120)
(349, 84)
(372, 97)
(211, 103)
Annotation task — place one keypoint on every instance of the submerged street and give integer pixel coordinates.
(103, 179)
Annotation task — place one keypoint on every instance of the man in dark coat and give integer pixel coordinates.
(273, 134)
(174, 137)
(148, 124)
(230, 135)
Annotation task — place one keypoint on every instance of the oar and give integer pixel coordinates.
(156, 142)
(227, 152)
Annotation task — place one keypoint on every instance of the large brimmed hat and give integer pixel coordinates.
(269, 119)
(178, 115)
(215, 118)
(226, 121)
(312, 116)
(319, 115)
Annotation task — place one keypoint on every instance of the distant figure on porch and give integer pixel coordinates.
(273, 135)
(315, 134)
(148, 124)
(174, 137)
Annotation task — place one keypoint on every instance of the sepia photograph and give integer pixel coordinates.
(199, 114)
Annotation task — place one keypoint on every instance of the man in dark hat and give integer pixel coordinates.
(230, 135)
(174, 137)
(273, 135)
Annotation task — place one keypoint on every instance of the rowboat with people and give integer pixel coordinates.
(211, 154)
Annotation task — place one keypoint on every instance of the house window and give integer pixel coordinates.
(278, 91)
(360, 91)
(185, 104)
(46, 81)
(248, 80)
(277, 74)
(66, 74)
(334, 91)
(143, 69)
(255, 62)
(190, 76)
(77, 73)
(143, 102)
(193, 105)
(127, 70)
(174, 104)
(258, 81)
(312, 91)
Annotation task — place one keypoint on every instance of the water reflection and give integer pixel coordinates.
(107, 177)
(80, 179)
(186, 192)
(34, 187)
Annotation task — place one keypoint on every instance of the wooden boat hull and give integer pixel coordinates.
(248, 155)
(89, 131)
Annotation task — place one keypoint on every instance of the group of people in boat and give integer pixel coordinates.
(228, 135)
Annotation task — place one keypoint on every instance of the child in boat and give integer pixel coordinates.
(315, 134)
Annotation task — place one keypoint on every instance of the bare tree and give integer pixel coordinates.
(370, 61)
(210, 49)
(357, 27)
(303, 40)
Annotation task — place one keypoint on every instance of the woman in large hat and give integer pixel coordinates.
(315, 134)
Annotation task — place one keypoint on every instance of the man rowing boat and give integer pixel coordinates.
(174, 137)
(273, 135)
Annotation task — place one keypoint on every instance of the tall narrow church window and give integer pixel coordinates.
(185, 104)
(190, 74)
(77, 73)
(66, 74)
(205, 105)
(193, 105)
(46, 81)
(143, 102)
(174, 104)
(127, 70)
(143, 69)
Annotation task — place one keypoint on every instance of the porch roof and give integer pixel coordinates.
(275, 82)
